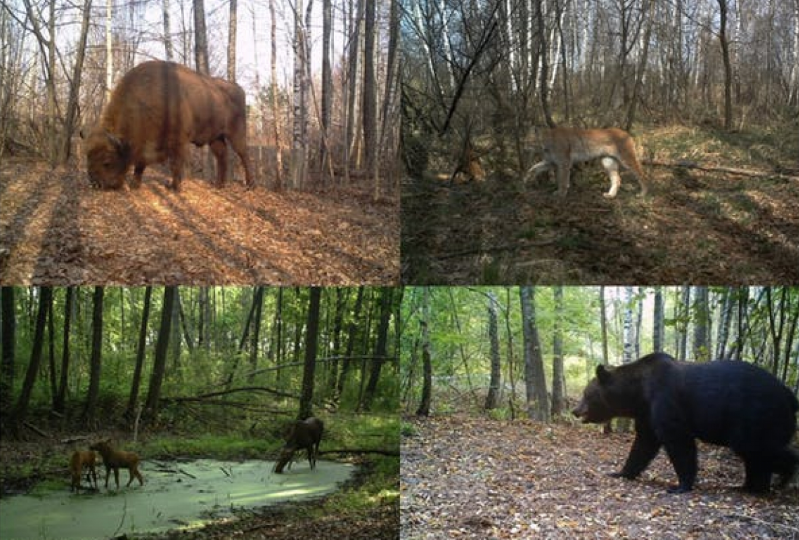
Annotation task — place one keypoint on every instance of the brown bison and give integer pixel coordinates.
(154, 111)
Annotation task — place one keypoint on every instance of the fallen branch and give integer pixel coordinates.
(362, 451)
(35, 429)
(74, 439)
(685, 164)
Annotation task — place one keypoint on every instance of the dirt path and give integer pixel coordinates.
(475, 478)
(56, 230)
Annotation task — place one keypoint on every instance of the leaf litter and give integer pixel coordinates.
(475, 478)
(56, 230)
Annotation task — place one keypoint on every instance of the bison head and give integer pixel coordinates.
(108, 158)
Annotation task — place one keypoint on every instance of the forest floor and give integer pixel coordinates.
(719, 225)
(466, 477)
(56, 230)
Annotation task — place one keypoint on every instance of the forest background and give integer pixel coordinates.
(321, 78)
(206, 372)
(515, 351)
(490, 374)
(708, 89)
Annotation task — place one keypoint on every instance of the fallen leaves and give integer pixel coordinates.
(475, 478)
(56, 230)
(723, 230)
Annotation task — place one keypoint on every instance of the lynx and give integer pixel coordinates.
(563, 147)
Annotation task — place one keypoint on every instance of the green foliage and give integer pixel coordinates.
(500, 413)
(459, 345)
(407, 429)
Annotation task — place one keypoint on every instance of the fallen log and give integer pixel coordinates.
(686, 164)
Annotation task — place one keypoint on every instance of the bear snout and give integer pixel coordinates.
(581, 411)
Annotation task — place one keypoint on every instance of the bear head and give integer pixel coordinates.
(613, 393)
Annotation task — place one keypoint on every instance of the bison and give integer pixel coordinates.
(155, 110)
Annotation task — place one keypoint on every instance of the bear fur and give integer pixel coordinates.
(726, 403)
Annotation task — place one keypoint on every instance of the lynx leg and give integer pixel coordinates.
(564, 174)
(611, 167)
(630, 162)
(539, 168)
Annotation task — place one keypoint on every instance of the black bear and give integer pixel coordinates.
(728, 403)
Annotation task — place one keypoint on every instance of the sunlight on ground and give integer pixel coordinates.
(175, 495)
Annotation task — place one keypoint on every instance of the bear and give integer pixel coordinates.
(724, 402)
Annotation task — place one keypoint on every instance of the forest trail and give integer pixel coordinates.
(465, 477)
(56, 230)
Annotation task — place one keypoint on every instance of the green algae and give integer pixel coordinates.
(176, 495)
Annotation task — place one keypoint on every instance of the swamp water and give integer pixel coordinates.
(175, 495)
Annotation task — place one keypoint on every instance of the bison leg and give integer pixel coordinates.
(176, 167)
(219, 148)
(239, 144)
(138, 171)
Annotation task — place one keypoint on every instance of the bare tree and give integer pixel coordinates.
(200, 38)
(725, 57)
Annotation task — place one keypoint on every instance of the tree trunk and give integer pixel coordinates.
(161, 348)
(725, 56)
(351, 337)
(327, 86)
(648, 12)
(682, 318)
(92, 396)
(135, 383)
(727, 304)
(276, 114)
(258, 302)
(492, 399)
(534, 376)
(352, 89)
(658, 322)
(299, 148)
(311, 342)
(61, 393)
(231, 41)
(338, 326)
(627, 336)
(390, 97)
(381, 346)
(8, 363)
(701, 316)
(74, 86)
(168, 49)
(543, 91)
(558, 380)
(109, 49)
(21, 408)
(603, 326)
(369, 90)
(427, 367)
(200, 38)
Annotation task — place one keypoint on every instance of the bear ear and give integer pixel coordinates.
(603, 374)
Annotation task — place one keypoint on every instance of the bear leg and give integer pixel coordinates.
(758, 474)
(786, 464)
(645, 447)
(682, 454)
